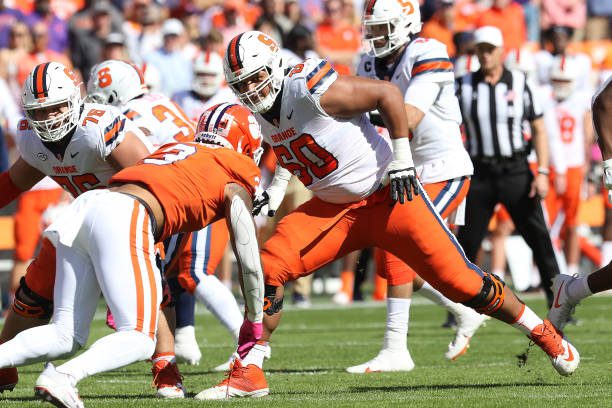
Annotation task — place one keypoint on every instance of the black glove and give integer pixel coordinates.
(403, 181)
(259, 202)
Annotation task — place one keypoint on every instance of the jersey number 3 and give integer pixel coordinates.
(312, 159)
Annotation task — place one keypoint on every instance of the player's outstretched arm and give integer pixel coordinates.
(238, 207)
(18, 178)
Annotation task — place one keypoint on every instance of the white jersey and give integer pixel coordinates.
(160, 119)
(84, 164)
(339, 160)
(437, 148)
(193, 106)
(569, 114)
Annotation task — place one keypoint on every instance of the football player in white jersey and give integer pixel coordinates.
(207, 87)
(570, 290)
(120, 84)
(422, 70)
(316, 123)
(78, 145)
(570, 107)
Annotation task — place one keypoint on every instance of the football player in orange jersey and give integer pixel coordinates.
(182, 187)
(570, 290)
(315, 121)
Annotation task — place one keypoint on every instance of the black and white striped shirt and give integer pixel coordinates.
(493, 114)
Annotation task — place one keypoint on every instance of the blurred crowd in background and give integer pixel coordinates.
(164, 37)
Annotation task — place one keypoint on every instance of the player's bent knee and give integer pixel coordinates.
(272, 303)
(491, 296)
(29, 304)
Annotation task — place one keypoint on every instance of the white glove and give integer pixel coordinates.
(274, 194)
(607, 165)
(402, 174)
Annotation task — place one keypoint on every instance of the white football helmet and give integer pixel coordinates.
(247, 55)
(392, 21)
(115, 82)
(563, 76)
(521, 60)
(50, 84)
(466, 64)
(207, 74)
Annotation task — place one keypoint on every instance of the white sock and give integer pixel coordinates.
(606, 253)
(42, 343)
(256, 354)
(398, 311)
(527, 321)
(169, 357)
(108, 353)
(579, 289)
(435, 296)
(573, 270)
(228, 284)
(499, 272)
(221, 303)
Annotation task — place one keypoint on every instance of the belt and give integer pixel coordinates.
(154, 228)
(500, 159)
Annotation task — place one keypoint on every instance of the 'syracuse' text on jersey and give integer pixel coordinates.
(160, 119)
(340, 161)
(84, 165)
(436, 144)
(188, 180)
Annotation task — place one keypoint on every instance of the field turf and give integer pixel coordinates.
(312, 347)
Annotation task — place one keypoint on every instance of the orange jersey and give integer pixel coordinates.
(188, 180)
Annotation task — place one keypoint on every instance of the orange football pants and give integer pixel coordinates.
(568, 201)
(317, 233)
(446, 196)
(40, 275)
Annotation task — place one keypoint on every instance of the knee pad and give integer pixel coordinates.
(272, 305)
(490, 283)
(29, 304)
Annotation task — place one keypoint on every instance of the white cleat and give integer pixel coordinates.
(341, 298)
(168, 380)
(385, 361)
(56, 388)
(186, 346)
(468, 321)
(563, 307)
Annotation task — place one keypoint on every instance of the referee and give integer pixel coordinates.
(494, 104)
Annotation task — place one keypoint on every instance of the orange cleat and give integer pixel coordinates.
(168, 380)
(8, 379)
(241, 381)
(564, 356)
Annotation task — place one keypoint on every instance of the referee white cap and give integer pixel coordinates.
(489, 35)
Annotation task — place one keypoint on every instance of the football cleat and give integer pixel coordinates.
(385, 361)
(8, 379)
(241, 381)
(564, 356)
(468, 321)
(168, 380)
(186, 346)
(56, 388)
(228, 364)
(561, 311)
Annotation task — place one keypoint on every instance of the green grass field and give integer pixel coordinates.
(312, 347)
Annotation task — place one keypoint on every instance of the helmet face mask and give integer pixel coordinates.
(563, 76)
(52, 101)
(261, 67)
(389, 24)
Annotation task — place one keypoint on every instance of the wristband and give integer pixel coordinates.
(401, 150)
(544, 171)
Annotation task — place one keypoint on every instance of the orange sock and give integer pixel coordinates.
(347, 278)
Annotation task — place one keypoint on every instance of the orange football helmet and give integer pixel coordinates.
(231, 125)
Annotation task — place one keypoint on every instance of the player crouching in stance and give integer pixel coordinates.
(105, 243)
(315, 121)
